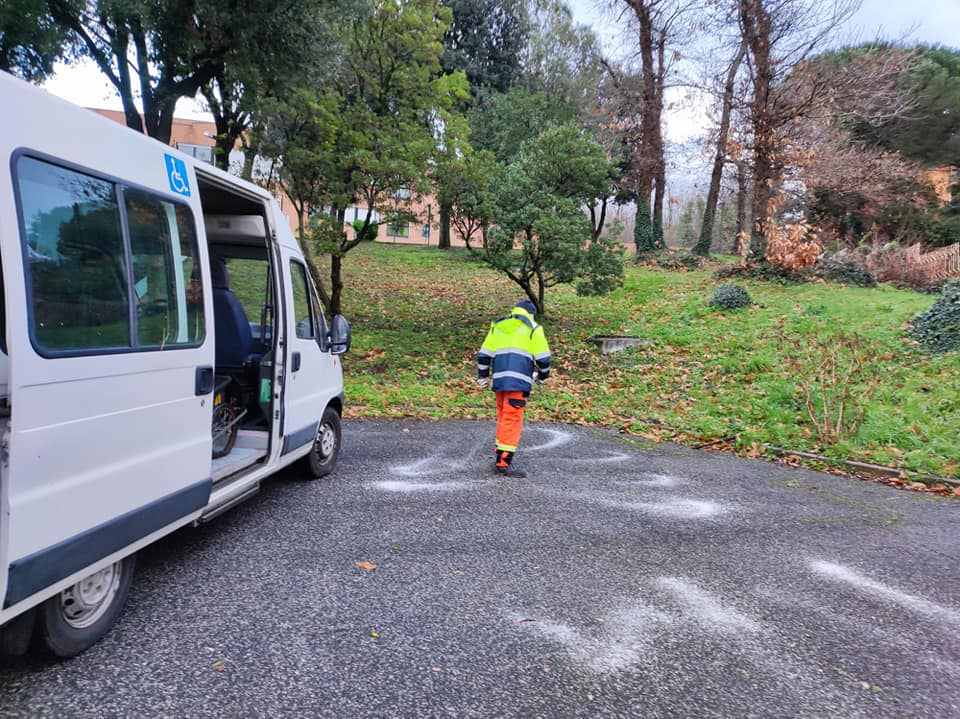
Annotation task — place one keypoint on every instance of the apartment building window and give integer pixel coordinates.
(200, 152)
(399, 229)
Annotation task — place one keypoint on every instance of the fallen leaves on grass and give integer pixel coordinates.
(938, 488)
(700, 374)
(791, 460)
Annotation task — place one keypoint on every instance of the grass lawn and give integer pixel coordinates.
(419, 316)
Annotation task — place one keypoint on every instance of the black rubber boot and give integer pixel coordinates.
(510, 471)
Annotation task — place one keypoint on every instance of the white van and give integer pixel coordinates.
(156, 312)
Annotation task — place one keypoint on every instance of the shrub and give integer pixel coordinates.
(792, 247)
(849, 273)
(836, 376)
(830, 270)
(368, 235)
(670, 260)
(730, 297)
(770, 273)
(601, 271)
(938, 328)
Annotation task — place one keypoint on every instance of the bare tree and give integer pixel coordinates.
(779, 35)
(862, 85)
(702, 247)
(658, 23)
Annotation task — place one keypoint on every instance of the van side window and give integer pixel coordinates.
(80, 267)
(306, 329)
(164, 248)
(75, 257)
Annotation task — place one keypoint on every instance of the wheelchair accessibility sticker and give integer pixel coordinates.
(177, 175)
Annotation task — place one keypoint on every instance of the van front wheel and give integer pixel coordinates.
(326, 445)
(76, 618)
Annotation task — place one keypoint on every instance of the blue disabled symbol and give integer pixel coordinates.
(177, 175)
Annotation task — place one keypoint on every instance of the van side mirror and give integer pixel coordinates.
(339, 341)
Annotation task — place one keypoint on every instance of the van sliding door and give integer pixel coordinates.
(110, 407)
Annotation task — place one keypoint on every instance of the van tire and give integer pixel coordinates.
(326, 446)
(66, 631)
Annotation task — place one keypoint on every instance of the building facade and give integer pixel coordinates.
(415, 219)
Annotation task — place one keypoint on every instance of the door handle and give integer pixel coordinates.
(204, 380)
(295, 362)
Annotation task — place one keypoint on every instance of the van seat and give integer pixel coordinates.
(234, 339)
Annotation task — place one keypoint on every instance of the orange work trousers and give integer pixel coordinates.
(510, 407)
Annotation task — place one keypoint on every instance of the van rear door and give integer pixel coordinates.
(111, 362)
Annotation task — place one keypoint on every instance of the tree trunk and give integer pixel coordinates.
(660, 163)
(65, 14)
(713, 194)
(164, 122)
(249, 153)
(160, 100)
(336, 283)
(643, 235)
(308, 256)
(760, 194)
(124, 83)
(649, 153)
(741, 205)
(230, 121)
(597, 219)
(445, 211)
(336, 260)
(659, 192)
(757, 27)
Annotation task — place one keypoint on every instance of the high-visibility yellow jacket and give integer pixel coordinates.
(515, 348)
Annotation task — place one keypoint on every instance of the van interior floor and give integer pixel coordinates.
(238, 459)
(250, 448)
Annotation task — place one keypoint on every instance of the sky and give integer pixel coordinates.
(685, 121)
(913, 21)
(927, 21)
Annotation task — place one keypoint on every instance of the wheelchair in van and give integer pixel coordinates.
(238, 356)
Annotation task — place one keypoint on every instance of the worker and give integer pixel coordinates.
(514, 355)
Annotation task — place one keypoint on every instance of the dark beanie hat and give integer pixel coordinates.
(527, 305)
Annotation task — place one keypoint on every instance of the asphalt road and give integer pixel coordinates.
(621, 579)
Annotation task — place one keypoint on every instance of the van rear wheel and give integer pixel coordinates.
(76, 618)
(326, 445)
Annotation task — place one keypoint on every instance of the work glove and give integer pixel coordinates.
(539, 380)
(483, 382)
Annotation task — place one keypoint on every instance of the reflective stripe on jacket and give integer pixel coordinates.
(515, 348)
